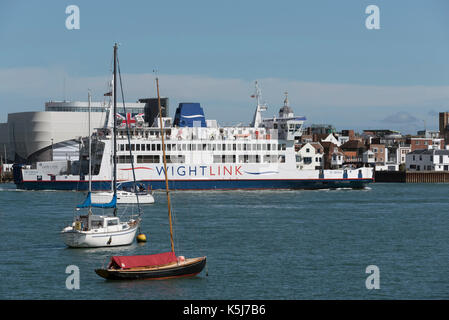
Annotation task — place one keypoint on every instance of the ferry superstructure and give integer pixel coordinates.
(200, 155)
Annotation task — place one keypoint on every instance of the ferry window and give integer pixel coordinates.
(219, 147)
(204, 146)
(246, 158)
(282, 159)
(179, 147)
(148, 147)
(168, 147)
(124, 159)
(133, 146)
(257, 158)
(158, 147)
(264, 146)
(259, 147)
(184, 147)
(233, 158)
(268, 147)
(153, 147)
(137, 147)
(209, 147)
(239, 147)
(283, 146)
(148, 159)
(127, 147)
(142, 147)
(224, 147)
(217, 159)
(193, 147)
(234, 147)
(223, 159)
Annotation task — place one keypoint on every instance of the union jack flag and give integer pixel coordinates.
(132, 119)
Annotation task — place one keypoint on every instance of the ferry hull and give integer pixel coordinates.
(258, 184)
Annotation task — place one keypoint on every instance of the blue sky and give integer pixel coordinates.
(336, 70)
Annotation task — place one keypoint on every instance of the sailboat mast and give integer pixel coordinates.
(165, 167)
(90, 162)
(114, 140)
(90, 146)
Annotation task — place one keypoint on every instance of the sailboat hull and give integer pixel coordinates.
(80, 239)
(189, 268)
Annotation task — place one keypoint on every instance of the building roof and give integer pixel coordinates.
(431, 151)
(353, 144)
(316, 145)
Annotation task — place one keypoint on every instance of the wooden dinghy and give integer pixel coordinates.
(152, 267)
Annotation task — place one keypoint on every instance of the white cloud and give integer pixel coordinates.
(45, 84)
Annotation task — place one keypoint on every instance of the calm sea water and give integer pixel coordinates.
(259, 245)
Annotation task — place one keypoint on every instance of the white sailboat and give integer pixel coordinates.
(124, 196)
(101, 230)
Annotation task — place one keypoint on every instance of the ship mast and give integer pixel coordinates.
(257, 119)
(165, 167)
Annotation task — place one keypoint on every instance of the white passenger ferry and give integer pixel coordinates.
(201, 155)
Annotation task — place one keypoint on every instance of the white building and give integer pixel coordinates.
(368, 157)
(428, 160)
(310, 156)
(53, 134)
(331, 138)
(402, 153)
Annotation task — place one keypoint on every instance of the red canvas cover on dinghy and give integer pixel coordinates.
(151, 260)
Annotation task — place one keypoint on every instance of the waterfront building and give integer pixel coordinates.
(428, 160)
(333, 155)
(420, 143)
(380, 156)
(353, 151)
(444, 126)
(310, 156)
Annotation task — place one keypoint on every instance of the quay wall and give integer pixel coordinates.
(411, 176)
